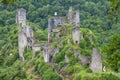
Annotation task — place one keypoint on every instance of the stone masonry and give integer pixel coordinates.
(21, 17)
(26, 34)
(96, 61)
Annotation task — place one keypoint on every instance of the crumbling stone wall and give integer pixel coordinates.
(77, 19)
(96, 61)
(53, 24)
(25, 36)
(91, 38)
(70, 16)
(76, 35)
(21, 17)
(46, 54)
(22, 43)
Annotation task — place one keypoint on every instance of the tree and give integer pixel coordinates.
(9, 1)
(114, 9)
(113, 53)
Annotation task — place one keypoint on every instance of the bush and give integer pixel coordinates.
(82, 44)
(96, 76)
(50, 75)
(74, 69)
(73, 60)
(59, 57)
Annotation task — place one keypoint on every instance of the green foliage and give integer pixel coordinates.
(73, 60)
(113, 53)
(13, 72)
(76, 68)
(59, 57)
(93, 15)
(114, 11)
(86, 46)
(50, 75)
(95, 76)
(83, 44)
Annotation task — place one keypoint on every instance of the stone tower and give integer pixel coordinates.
(21, 17)
(76, 28)
(76, 35)
(77, 18)
(25, 36)
(70, 16)
(22, 43)
(50, 25)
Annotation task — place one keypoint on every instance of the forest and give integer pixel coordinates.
(100, 18)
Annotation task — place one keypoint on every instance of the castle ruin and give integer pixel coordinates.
(26, 34)
(26, 38)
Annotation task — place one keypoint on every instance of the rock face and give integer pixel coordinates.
(76, 35)
(96, 61)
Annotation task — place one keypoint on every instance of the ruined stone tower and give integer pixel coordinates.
(74, 19)
(76, 35)
(21, 17)
(77, 19)
(22, 42)
(70, 16)
(25, 36)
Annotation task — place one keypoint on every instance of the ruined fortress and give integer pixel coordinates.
(26, 38)
(26, 34)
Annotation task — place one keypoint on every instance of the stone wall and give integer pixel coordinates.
(77, 19)
(53, 24)
(84, 59)
(21, 17)
(46, 54)
(22, 43)
(26, 34)
(96, 61)
(76, 35)
(70, 16)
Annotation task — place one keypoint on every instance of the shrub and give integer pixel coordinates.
(50, 75)
(82, 44)
(96, 76)
(59, 57)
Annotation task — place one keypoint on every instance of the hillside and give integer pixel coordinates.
(52, 42)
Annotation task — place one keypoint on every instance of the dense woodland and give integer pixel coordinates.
(95, 15)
